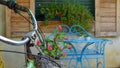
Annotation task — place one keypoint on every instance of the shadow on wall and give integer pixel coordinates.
(119, 66)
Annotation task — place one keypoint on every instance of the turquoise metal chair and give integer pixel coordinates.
(85, 47)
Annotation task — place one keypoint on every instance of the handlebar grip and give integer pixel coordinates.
(21, 8)
(13, 5)
(3, 2)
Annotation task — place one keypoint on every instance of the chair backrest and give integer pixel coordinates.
(76, 29)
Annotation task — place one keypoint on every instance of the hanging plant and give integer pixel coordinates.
(68, 12)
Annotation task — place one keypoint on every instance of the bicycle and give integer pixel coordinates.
(41, 60)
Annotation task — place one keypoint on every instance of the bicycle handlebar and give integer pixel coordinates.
(12, 42)
(3, 2)
(15, 6)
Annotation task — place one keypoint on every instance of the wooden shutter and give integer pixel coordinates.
(106, 18)
(118, 17)
(16, 25)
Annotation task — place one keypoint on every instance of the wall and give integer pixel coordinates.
(2, 20)
(13, 60)
(113, 53)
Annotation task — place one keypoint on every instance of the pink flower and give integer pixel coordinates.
(50, 47)
(60, 27)
(66, 38)
(70, 47)
(64, 54)
(38, 42)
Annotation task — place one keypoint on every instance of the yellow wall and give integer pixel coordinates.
(2, 20)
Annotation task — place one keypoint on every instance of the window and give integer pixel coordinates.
(41, 3)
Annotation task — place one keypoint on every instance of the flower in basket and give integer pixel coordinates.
(49, 47)
(56, 45)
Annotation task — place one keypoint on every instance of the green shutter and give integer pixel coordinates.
(41, 3)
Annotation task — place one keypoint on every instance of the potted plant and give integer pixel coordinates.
(68, 12)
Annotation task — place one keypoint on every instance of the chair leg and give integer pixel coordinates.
(85, 63)
(102, 63)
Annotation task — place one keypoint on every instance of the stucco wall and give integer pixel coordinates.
(2, 20)
(113, 53)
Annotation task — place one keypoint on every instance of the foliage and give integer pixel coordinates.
(70, 12)
(55, 48)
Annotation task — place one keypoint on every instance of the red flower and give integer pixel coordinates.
(66, 38)
(64, 54)
(38, 42)
(59, 15)
(50, 47)
(60, 27)
(70, 47)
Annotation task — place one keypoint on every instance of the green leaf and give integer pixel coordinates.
(46, 51)
(31, 64)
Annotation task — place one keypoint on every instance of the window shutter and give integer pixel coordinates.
(106, 17)
(118, 17)
(16, 25)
